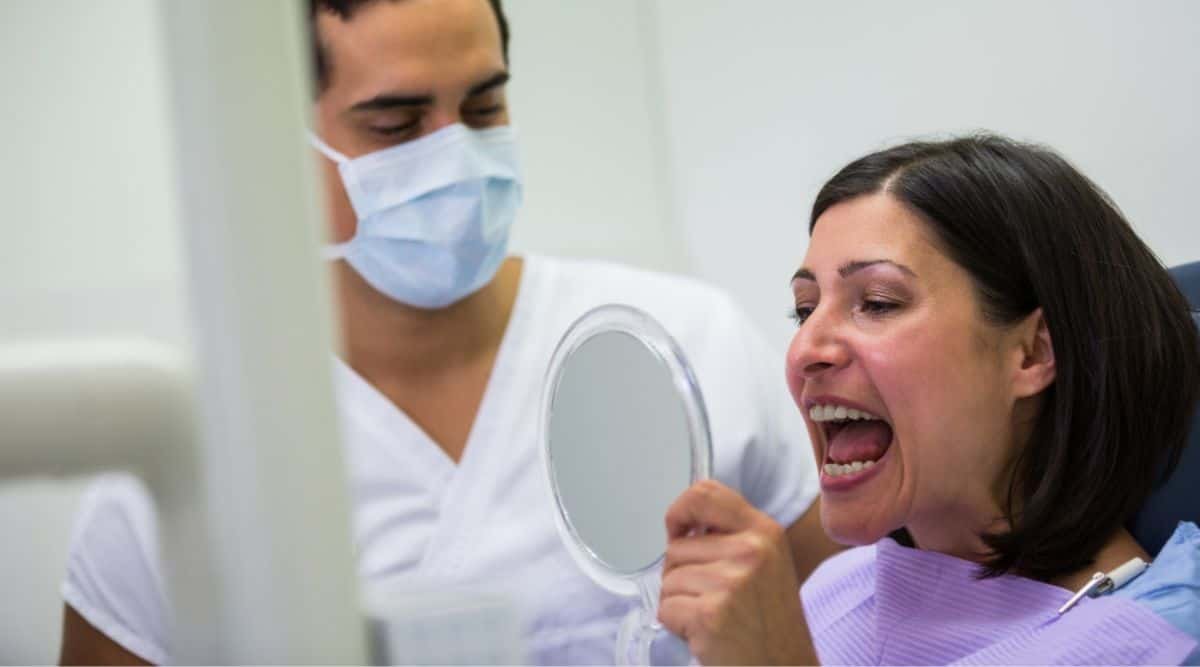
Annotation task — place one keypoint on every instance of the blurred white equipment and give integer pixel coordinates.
(444, 627)
(224, 433)
(70, 407)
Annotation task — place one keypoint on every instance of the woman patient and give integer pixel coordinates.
(995, 372)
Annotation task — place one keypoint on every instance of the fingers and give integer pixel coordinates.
(690, 617)
(702, 579)
(676, 614)
(747, 548)
(728, 590)
(709, 505)
(693, 549)
(700, 620)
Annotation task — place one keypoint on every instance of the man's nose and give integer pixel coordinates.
(439, 118)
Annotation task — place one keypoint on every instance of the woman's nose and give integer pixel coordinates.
(817, 347)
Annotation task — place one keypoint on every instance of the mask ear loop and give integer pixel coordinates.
(325, 148)
(330, 251)
(335, 251)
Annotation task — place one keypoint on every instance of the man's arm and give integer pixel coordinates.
(810, 544)
(83, 644)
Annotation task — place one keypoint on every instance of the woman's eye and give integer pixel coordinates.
(876, 307)
(800, 313)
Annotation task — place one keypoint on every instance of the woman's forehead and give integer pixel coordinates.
(869, 228)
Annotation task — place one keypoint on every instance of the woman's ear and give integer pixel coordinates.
(1035, 352)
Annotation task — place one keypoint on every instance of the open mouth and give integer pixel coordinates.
(855, 440)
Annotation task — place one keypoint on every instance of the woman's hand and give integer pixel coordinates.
(729, 585)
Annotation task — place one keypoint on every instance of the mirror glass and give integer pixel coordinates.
(625, 434)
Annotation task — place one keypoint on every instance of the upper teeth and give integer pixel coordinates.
(829, 413)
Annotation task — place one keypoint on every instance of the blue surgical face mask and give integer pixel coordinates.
(434, 213)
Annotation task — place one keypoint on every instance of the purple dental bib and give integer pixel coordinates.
(891, 605)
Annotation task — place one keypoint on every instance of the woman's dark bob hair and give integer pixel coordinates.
(1033, 232)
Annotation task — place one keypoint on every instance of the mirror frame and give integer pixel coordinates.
(619, 318)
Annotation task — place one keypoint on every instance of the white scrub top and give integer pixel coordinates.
(486, 523)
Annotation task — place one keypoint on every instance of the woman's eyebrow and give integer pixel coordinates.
(803, 274)
(849, 268)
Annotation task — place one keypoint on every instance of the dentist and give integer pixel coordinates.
(446, 338)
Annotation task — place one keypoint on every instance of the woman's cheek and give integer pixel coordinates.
(795, 377)
(901, 369)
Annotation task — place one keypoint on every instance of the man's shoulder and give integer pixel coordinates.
(116, 528)
(119, 499)
(113, 574)
(575, 286)
(618, 275)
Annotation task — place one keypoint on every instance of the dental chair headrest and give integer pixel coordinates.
(1179, 498)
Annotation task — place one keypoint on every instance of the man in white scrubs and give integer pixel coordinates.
(446, 342)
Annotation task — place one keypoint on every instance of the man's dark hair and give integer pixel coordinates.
(1033, 232)
(345, 9)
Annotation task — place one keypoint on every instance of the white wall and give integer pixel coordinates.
(89, 241)
(764, 100)
(584, 98)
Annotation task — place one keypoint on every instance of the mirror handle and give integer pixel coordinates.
(640, 628)
(634, 638)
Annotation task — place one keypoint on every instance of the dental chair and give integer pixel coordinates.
(1179, 498)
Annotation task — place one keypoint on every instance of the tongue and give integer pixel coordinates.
(860, 441)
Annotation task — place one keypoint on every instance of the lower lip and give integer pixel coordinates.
(846, 482)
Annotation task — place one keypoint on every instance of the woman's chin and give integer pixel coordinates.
(850, 529)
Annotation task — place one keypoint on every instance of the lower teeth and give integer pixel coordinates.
(837, 469)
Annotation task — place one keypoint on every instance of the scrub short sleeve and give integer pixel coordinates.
(113, 579)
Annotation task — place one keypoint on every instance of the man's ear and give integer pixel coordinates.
(1035, 369)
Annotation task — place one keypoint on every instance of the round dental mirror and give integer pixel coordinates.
(624, 433)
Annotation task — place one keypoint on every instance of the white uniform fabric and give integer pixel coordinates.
(487, 522)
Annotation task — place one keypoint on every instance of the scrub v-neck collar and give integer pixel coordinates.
(397, 427)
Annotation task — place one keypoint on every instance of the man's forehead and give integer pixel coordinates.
(411, 46)
(393, 28)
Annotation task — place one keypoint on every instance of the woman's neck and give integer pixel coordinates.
(1117, 551)
(956, 531)
(968, 544)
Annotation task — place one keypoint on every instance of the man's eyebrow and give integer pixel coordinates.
(849, 268)
(496, 80)
(388, 101)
